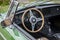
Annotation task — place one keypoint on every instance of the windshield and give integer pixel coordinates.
(28, 3)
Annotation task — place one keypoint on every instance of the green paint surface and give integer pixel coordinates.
(1, 38)
(16, 32)
(6, 34)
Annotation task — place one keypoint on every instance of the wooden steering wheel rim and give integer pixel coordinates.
(25, 25)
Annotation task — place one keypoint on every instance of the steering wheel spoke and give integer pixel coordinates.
(33, 27)
(31, 13)
(39, 19)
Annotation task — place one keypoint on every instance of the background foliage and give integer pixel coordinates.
(4, 2)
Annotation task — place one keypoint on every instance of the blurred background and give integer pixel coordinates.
(4, 4)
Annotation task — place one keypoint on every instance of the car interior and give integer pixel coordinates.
(40, 21)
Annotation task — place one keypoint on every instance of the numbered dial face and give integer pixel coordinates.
(33, 20)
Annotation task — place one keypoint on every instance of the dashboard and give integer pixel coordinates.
(51, 14)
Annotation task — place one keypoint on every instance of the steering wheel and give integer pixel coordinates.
(33, 19)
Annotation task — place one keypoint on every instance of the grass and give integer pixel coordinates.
(3, 9)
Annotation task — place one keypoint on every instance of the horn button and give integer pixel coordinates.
(33, 19)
